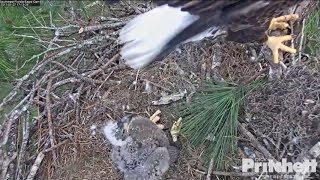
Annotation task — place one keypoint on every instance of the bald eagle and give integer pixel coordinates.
(153, 35)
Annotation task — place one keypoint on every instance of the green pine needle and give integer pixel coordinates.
(210, 119)
(312, 33)
(12, 48)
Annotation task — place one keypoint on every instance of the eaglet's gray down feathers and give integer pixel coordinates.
(139, 148)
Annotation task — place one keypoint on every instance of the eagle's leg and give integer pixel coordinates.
(282, 21)
(275, 43)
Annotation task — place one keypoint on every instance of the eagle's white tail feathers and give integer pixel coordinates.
(148, 33)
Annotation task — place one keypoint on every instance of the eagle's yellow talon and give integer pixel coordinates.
(281, 22)
(276, 43)
(278, 25)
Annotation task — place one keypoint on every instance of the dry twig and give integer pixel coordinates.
(301, 39)
(102, 26)
(210, 169)
(49, 115)
(24, 141)
(254, 141)
(35, 166)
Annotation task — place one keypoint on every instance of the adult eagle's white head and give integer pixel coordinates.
(153, 35)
